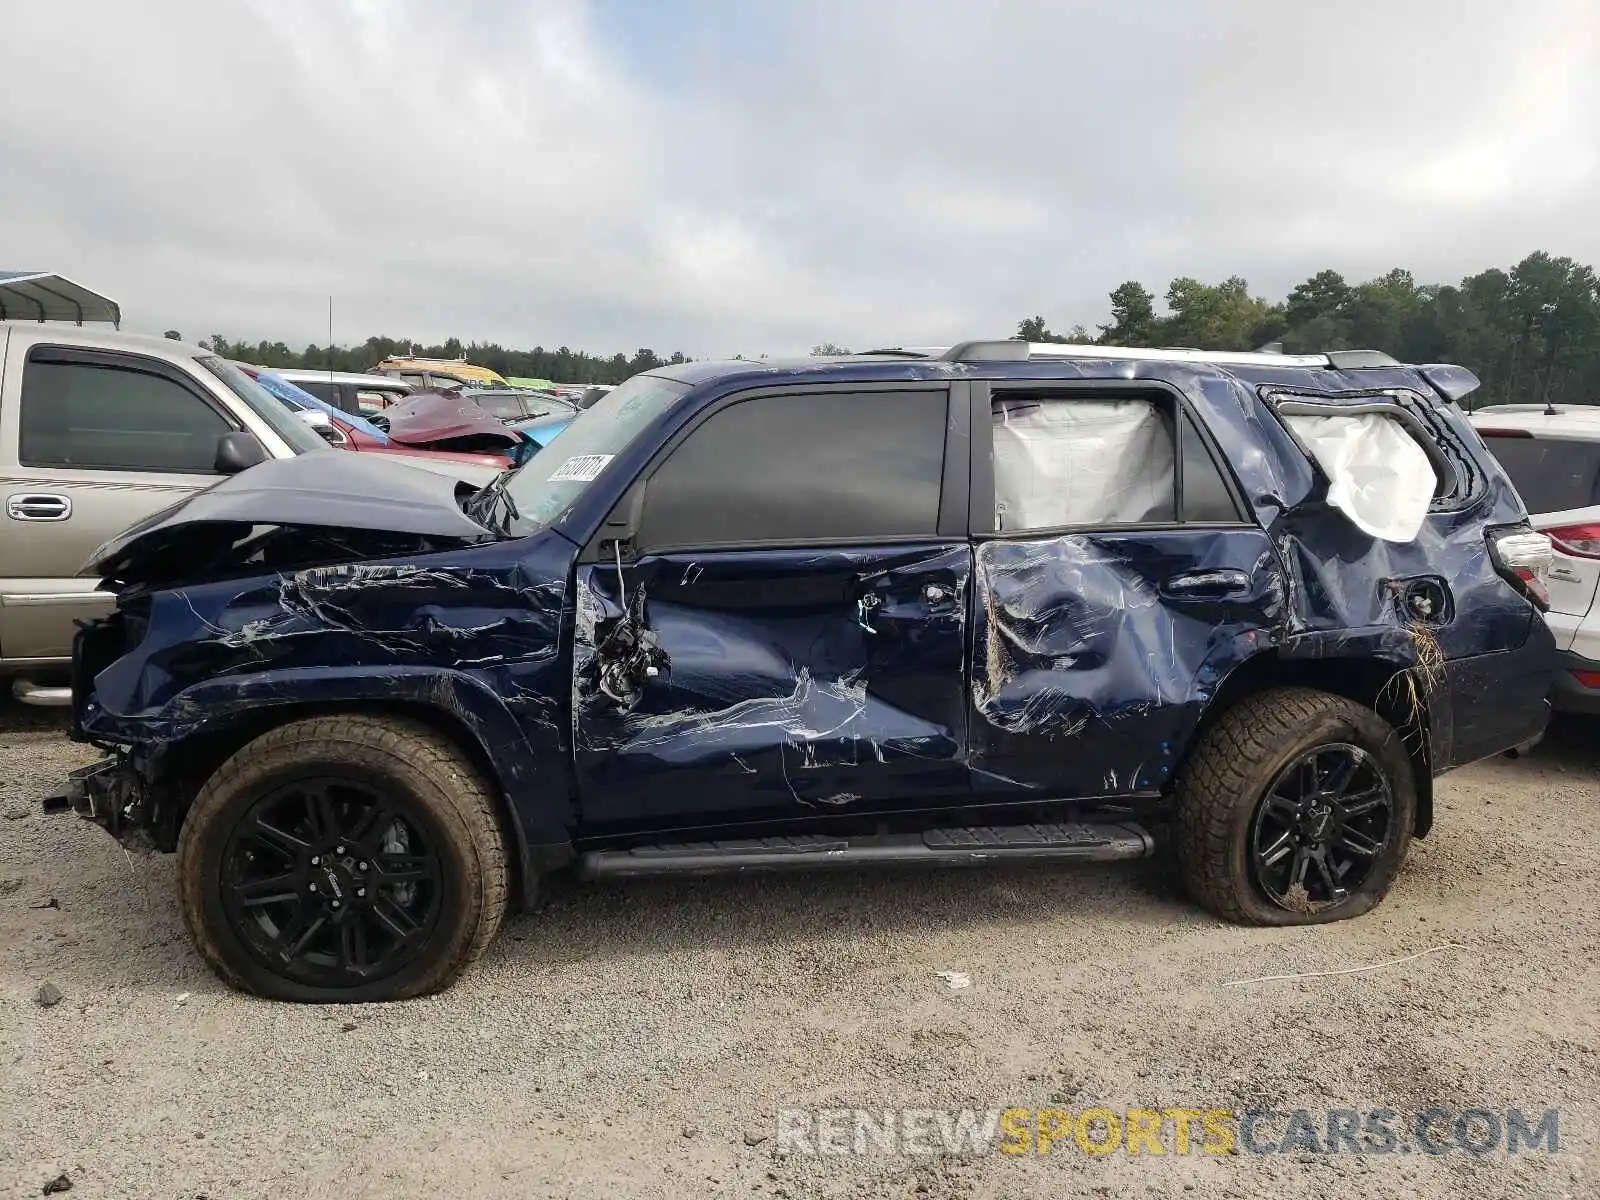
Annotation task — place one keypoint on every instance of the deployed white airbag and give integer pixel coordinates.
(1081, 462)
(1378, 475)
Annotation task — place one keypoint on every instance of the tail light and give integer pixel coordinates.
(1522, 557)
(1589, 679)
(1582, 541)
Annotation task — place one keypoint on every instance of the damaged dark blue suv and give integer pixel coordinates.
(997, 603)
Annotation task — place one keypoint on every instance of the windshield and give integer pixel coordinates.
(300, 398)
(548, 483)
(301, 438)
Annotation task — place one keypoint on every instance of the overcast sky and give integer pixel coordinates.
(756, 177)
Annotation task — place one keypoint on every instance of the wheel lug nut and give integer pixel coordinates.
(313, 887)
(338, 849)
(316, 860)
(361, 892)
(334, 904)
(361, 866)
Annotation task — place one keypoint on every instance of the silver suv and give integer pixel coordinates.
(99, 430)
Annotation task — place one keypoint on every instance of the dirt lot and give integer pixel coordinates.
(633, 1040)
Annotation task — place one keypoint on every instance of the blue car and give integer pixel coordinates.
(992, 604)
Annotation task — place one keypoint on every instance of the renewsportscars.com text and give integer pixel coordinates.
(1180, 1131)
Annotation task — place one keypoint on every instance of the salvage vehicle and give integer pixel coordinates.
(451, 421)
(98, 429)
(1002, 602)
(1553, 457)
(347, 431)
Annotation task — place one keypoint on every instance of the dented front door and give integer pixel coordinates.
(792, 642)
(791, 684)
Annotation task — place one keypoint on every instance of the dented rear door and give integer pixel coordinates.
(1115, 583)
(781, 631)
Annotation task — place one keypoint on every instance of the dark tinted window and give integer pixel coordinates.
(321, 389)
(1205, 495)
(802, 469)
(81, 415)
(1551, 474)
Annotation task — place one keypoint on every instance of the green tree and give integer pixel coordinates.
(1133, 316)
(828, 350)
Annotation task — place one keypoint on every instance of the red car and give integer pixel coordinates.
(430, 426)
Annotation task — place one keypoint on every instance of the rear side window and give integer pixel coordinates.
(114, 418)
(803, 468)
(1551, 474)
(1063, 461)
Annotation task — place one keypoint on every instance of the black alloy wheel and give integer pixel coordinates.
(330, 883)
(1321, 827)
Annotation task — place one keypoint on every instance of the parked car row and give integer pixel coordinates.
(100, 430)
(1002, 602)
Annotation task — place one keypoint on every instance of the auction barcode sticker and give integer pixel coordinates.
(581, 469)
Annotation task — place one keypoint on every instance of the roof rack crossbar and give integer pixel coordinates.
(1018, 351)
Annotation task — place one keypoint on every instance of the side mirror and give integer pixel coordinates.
(238, 452)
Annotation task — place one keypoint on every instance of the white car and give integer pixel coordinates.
(1553, 456)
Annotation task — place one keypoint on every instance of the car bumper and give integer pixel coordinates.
(1490, 703)
(1577, 686)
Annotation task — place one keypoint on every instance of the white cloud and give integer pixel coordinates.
(895, 171)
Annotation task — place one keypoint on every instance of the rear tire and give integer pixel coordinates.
(414, 894)
(1255, 801)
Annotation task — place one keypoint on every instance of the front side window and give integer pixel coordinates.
(77, 414)
(800, 469)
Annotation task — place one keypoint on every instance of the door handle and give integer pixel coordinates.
(1208, 583)
(38, 506)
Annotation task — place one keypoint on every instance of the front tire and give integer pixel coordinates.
(1296, 808)
(343, 859)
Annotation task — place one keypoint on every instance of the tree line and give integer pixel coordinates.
(562, 365)
(1531, 334)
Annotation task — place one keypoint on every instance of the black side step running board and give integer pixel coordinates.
(985, 844)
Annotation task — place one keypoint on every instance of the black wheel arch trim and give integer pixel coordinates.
(536, 801)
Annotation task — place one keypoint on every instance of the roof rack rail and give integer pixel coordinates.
(1016, 351)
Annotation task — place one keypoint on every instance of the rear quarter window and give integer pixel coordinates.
(1550, 474)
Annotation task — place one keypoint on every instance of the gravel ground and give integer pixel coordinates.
(634, 1039)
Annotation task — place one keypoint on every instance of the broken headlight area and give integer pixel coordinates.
(120, 795)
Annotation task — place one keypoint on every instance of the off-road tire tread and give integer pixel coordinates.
(1217, 779)
(413, 747)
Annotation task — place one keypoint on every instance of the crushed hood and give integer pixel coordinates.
(433, 418)
(350, 493)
